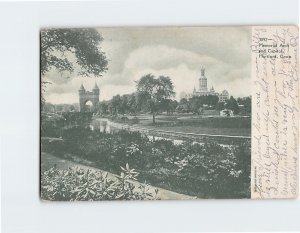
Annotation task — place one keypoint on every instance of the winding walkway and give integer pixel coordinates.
(49, 160)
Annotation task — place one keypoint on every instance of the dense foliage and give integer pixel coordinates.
(154, 93)
(71, 50)
(54, 125)
(58, 46)
(78, 184)
(199, 169)
(130, 104)
(197, 104)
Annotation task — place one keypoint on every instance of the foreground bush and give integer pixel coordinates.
(206, 170)
(77, 184)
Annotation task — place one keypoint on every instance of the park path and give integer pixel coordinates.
(49, 160)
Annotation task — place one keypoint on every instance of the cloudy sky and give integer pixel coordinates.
(175, 52)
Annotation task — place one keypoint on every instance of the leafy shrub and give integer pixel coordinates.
(77, 184)
(203, 169)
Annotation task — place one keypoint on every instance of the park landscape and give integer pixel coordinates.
(146, 142)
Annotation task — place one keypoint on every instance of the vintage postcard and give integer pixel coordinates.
(158, 113)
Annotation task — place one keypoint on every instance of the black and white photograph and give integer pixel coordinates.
(145, 113)
(149, 116)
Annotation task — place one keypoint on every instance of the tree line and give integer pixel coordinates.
(152, 95)
(197, 104)
(155, 95)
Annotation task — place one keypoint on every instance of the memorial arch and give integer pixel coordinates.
(85, 96)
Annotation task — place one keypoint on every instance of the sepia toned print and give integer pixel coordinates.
(147, 113)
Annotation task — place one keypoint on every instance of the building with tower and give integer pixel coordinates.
(85, 96)
(204, 91)
(202, 83)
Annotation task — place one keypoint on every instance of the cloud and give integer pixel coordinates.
(183, 78)
(175, 52)
(162, 56)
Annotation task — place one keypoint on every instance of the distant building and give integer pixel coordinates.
(226, 113)
(203, 89)
(223, 96)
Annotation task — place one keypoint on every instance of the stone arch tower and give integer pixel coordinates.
(85, 96)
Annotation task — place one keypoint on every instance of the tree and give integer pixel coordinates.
(57, 44)
(153, 92)
(124, 104)
(211, 100)
(183, 106)
(62, 49)
(220, 106)
(116, 104)
(195, 103)
(132, 104)
(170, 106)
(233, 105)
(246, 101)
(103, 108)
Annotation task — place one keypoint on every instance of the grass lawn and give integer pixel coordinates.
(194, 124)
(204, 130)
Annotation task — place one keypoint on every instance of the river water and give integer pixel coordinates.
(104, 125)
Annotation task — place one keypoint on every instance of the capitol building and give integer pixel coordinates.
(204, 91)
